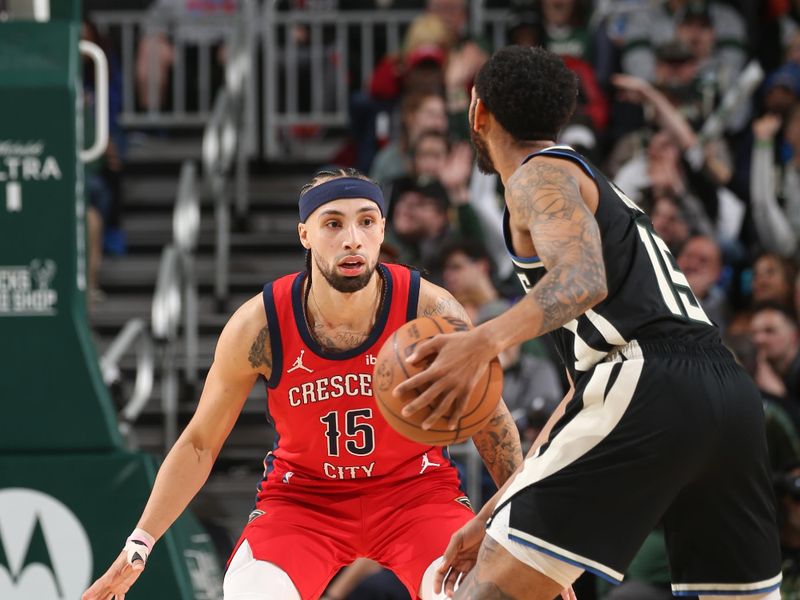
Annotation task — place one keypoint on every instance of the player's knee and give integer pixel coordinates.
(251, 579)
(426, 591)
(555, 569)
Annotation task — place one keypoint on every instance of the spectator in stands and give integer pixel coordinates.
(700, 259)
(774, 333)
(676, 160)
(792, 53)
(102, 176)
(420, 112)
(524, 27)
(433, 156)
(782, 90)
(773, 279)
(564, 24)
(467, 274)
(669, 219)
(156, 51)
(429, 154)
(775, 196)
(787, 490)
(562, 29)
(419, 222)
(453, 14)
(418, 65)
(655, 24)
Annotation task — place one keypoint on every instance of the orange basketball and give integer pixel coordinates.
(391, 369)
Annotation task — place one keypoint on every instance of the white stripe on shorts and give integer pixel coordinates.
(599, 416)
(756, 587)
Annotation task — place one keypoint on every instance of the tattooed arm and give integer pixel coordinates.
(546, 204)
(547, 209)
(499, 446)
(498, 443)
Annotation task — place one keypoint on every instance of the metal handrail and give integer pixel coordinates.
(186, 216)
(136, 335)
(224, 147)
(175, 299)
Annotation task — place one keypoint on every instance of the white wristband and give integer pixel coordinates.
(138, 546)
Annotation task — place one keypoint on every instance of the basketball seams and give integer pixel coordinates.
(400, 361)
(429, 327)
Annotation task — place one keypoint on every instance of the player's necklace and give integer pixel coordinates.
(339, 340)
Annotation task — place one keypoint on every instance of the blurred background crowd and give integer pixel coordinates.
(692, 107)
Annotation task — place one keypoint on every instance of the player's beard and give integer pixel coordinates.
(344, 283)
(482, 157)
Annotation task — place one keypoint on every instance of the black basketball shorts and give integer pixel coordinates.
(658, 432)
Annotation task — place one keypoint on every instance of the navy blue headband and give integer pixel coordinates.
(339, 189)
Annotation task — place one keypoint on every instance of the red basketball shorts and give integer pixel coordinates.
(311, 536)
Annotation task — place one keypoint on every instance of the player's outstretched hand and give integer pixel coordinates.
(460, 556)
(461, 359)
(115, 582)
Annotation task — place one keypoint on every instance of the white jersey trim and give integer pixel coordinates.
(586, 356)
(606, 329)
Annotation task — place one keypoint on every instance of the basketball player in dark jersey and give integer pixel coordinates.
(340, 483)
(661, 425)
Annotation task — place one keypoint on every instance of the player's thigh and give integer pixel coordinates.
(250, 579)
(416, 534)
(498, 574)
(308, 542)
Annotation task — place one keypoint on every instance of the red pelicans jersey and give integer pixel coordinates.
(329, 430)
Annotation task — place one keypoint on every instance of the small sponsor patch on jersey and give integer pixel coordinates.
(254, 515)
(465, 501)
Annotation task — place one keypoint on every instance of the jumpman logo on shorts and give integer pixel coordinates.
(427, 463)
(298, 364)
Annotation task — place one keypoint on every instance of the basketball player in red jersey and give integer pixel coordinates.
(340, 482)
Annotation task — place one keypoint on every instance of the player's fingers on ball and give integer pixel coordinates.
(425, 349)
(417, 382)
(426, 398)
(438, 580)
(460, 400)
(420, 402)
(450, 582)
(439, 411)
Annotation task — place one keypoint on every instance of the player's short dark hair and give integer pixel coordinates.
(529, 91)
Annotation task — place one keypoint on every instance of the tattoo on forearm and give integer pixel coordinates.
(446, 306)
(548, 200)
(260, 352)
(499, 446)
